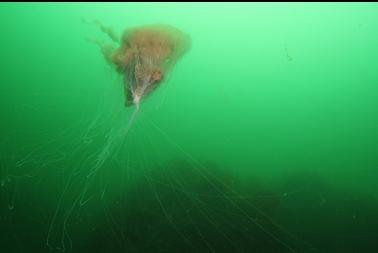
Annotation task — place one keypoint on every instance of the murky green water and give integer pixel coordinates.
(264, 138)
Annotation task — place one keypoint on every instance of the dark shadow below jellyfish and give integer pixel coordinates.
(181, 207)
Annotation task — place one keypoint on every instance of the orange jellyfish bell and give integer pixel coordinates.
(145, 57)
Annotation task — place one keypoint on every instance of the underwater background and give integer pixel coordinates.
(263, 139)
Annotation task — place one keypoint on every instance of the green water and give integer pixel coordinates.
(264, 138)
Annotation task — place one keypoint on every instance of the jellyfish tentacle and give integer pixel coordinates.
(105, 29)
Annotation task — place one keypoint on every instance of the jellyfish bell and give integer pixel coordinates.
(145, 56)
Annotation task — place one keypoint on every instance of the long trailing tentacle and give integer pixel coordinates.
(105, 29)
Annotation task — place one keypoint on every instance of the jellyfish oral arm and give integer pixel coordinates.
(136, 101)
(139, 92)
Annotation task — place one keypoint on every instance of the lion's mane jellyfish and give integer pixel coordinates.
(145, 56)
